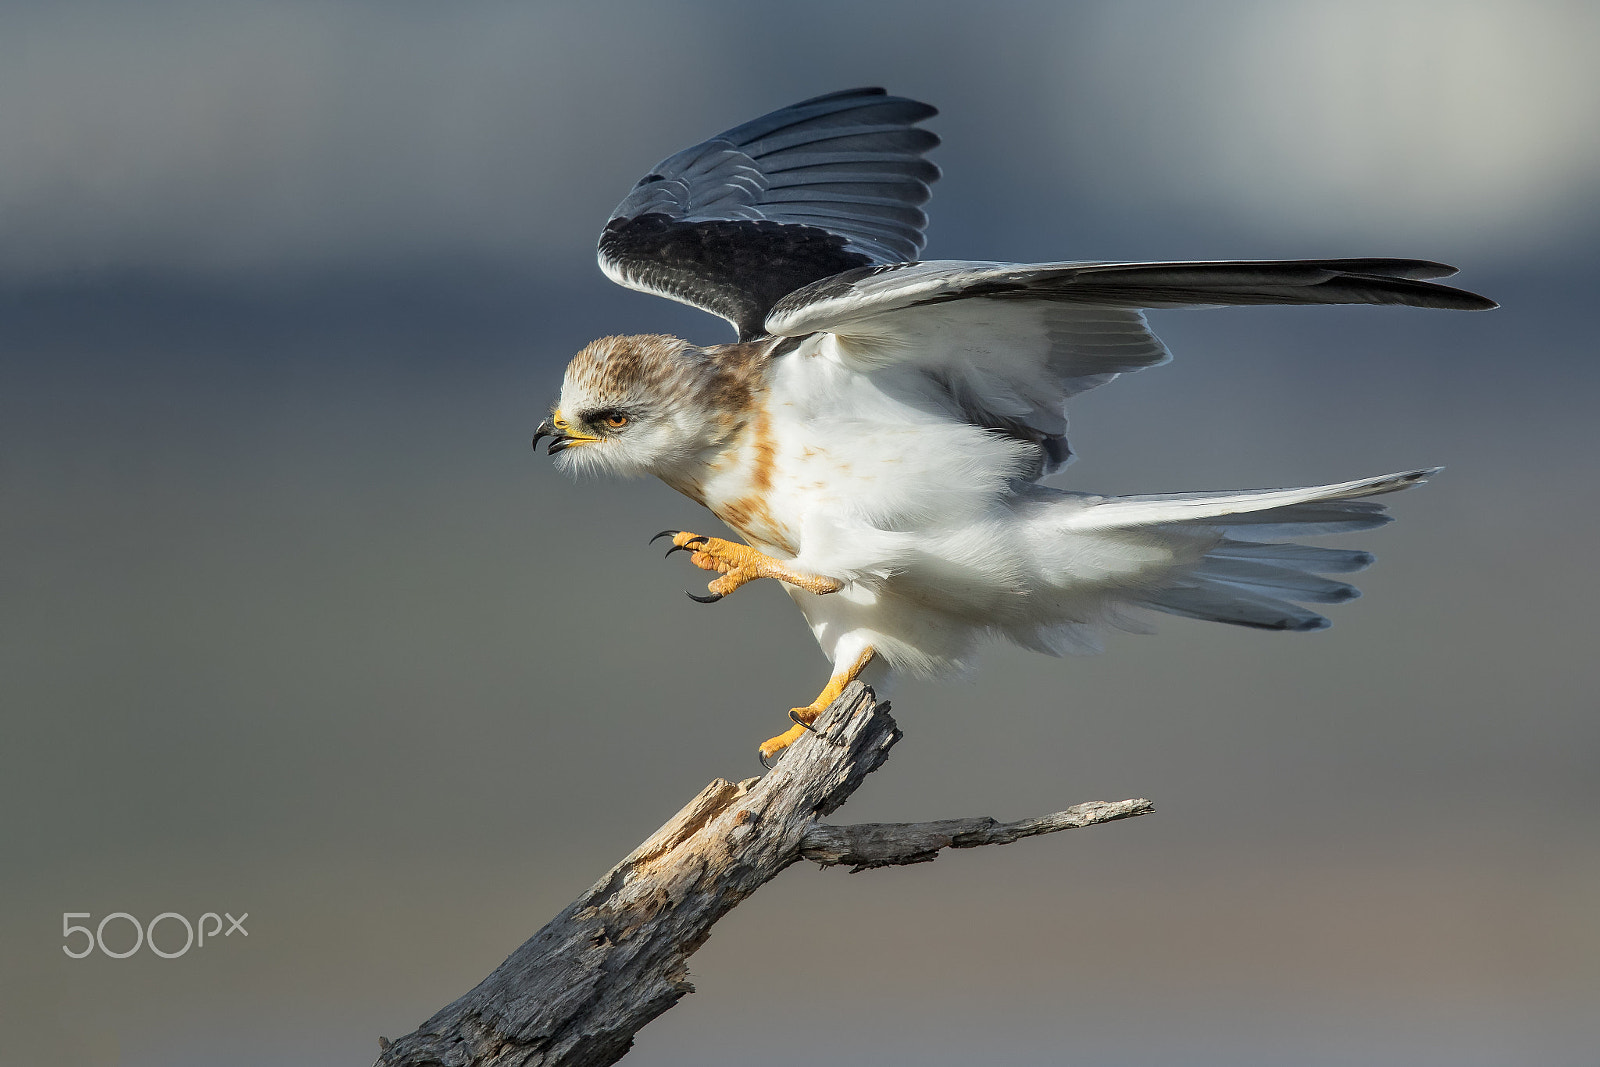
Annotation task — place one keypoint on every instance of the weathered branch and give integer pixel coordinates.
(578, 990)
(885, 844)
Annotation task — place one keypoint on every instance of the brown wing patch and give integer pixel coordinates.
(755, 522)
(737, 378)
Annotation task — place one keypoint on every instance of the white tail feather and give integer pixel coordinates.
(1246, 507)
(1249, 583)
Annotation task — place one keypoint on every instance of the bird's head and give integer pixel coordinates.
(631, 406)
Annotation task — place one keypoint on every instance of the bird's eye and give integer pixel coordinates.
(616, 420)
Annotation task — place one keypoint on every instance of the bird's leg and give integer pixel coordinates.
(804, 717)
(739, 564)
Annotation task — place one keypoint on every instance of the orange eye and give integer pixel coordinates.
(616, 422)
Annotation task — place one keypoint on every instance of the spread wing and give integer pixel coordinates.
(1006, 344)
(807, 192)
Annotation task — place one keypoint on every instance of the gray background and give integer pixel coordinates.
(294, 623)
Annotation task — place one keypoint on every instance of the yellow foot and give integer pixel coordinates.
(774, 745)
(739, 564)
(804, 717)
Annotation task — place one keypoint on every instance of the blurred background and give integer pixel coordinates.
(288, 603)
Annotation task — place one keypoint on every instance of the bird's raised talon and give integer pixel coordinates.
(663, 533)
(739, 565)
(712, 599)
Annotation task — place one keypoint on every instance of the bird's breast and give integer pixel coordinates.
(741, 487)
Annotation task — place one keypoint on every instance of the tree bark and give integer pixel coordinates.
(577, 991)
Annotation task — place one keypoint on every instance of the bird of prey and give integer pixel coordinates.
(878, 433)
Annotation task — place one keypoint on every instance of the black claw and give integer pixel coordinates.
(763, 760)
(794, 717)
(663, 533)
(696, 541)
(712, 599)
(675, 548)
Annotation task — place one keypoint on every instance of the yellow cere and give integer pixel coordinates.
(564, 428)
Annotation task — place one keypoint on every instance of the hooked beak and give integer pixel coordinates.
(548, 429)
(562, 438)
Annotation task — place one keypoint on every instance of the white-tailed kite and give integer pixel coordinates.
(879, 431)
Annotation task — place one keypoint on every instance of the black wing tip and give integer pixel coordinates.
(1427, 294)
(1267, 281)
(1421, 271)
(1410, 269)
(1436, 269)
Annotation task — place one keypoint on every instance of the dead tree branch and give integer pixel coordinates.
(578, 990)
(884, 844)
